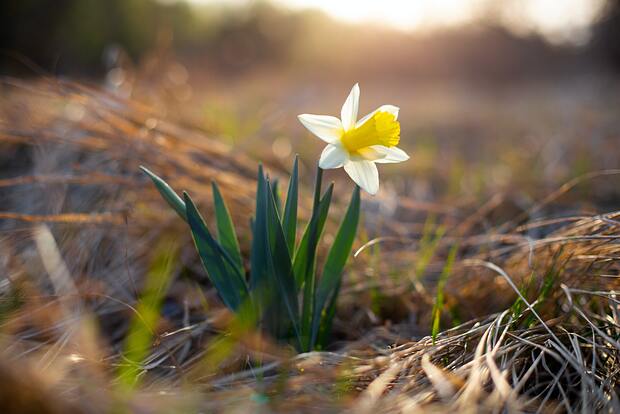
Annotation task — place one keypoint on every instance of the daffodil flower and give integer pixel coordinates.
(358, 145)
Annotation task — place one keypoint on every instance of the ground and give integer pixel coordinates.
(485, 278)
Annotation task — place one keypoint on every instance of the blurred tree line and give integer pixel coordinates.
(606, 35)
(71, 37)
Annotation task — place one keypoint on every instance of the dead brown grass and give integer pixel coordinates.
(72, 154)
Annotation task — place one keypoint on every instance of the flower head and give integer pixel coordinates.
(358, 145)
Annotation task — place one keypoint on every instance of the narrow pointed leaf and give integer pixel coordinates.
(281, 269)
(439, 297)
(171, 197)
(229, 284)
(313, 228)
(306, 253)
(303, 264)
(337, 257)
(305, 261)
(309, 240)
(258, 259)
(325, 327)
(275, 191)
(289, 219)
(225, 229)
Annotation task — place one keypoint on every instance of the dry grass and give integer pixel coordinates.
(80, 225)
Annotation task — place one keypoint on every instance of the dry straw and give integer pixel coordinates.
(545, 338)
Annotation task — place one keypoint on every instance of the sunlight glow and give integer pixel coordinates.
(411, 14)
(560, 21)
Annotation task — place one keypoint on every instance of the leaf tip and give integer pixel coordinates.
(146, 171)
(215, 187)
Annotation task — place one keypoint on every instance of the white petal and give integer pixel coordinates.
(365, 174)
(348, 114)
(383, 108)
(390, 154)
(332, 157)
(391, 109)
(328, 128)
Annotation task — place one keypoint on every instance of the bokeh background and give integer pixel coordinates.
(494, 94)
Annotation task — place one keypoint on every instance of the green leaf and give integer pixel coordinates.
(275, 192)
(305, 257)
(325, 327)
(167, 193)
(265, 296)
(303, 263)
(230, 285)
(306, 253)
(142, 326)
(272, 281)
(289, 220)
(225, 229)
(431, 237)
(313, 231)
(337, 257)
(281, 267)
(258, 258)
(439, 298)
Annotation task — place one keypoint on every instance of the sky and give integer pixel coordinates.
(560, 21)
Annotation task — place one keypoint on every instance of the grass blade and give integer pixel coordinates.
(229, 283)
(431, 236)
(335, 262)
(439, 298)
(289, 219)
(143, 325)
(171, 197)
(225, 229)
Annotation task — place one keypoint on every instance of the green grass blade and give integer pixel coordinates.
(335, 262)
(141, 333)
(439, 298)
(289, 219)
(429, 243)
(225, 229)
(518, 304)
(171, 197)
(229, 283)
(549, 283)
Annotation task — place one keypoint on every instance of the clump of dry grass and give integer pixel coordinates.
(538, 296)
(550, 352)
